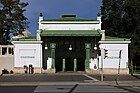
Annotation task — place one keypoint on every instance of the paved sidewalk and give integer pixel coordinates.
(64, 77)
(44, 78)
(114, 77)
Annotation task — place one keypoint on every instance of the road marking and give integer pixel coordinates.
(54, 88)
(90, 77)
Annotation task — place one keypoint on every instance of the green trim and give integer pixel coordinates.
(31, 38)
(88, 51)
(75, 65)
(114, 42)
(64, 65)
(53, 46)
(26, 40)
(109, 38)
(70, 33)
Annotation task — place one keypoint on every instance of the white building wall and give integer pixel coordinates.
(69, 27)
(26, 54)
(112, 61)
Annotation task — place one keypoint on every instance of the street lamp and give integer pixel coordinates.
(95, 47)
(70, 48)
(46, 47)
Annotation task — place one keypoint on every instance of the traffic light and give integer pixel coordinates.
(105, 53)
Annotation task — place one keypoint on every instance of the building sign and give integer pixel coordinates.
(113, 57)
(113, 54)
(27, 56)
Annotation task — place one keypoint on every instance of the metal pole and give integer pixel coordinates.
(119, 64)
(102, 57)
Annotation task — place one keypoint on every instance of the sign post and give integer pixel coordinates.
(102, 57)
(119, 64)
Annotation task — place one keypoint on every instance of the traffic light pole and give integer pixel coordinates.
(102, 57)
(120, 52)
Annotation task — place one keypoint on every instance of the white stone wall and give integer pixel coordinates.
(69, 26)
(28, 52)
(112, 61)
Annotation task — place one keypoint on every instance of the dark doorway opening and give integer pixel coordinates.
(63, 52)
(69, 64)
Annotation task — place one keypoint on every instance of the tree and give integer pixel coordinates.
(12, 19)
(112, 11)
(121, 18)
(132, 18)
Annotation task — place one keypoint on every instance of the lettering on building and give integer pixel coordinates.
(27, 56)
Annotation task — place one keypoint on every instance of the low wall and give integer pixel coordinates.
(6, 62)
(36, 70)
(22, 70)
(108, 71)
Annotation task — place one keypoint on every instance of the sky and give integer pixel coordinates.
(51, 9)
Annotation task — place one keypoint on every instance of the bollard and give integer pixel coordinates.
(64, 65)
(30, 69)
(25, 69)
(75, 65)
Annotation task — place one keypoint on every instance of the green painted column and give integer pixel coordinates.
(64, 65)
(53, 46)
(75, 65)
(88, 49)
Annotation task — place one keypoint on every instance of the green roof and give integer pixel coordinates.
(70, 33)
(110, 38)
(30, 38)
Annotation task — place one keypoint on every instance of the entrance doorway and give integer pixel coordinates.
(64, 53)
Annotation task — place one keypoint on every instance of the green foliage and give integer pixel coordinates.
(121, 18)
(12, 18)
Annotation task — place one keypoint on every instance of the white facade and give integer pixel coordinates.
(112, 61)
(27, 53)
(113, 48)
(30, 52)
(69, 25)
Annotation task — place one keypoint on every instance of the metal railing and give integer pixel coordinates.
(6, 50)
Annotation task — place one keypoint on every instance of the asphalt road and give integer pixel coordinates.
(62, 88)
(67, 83)
(17, 89)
